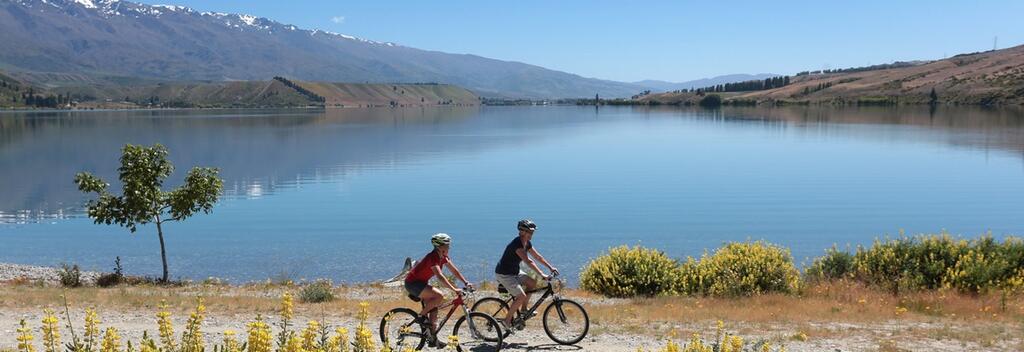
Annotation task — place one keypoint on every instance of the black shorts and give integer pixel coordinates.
(415, 287)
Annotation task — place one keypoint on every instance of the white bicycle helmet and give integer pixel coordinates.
(440, 239)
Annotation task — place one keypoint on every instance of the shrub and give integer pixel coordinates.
(626, 271)
(317, 292)
(744, 268)
(112, 279)
(927, 262)
(835, 264)
(70, 276)
(711, 101)
(908, 262)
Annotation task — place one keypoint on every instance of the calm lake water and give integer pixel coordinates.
(349, 193)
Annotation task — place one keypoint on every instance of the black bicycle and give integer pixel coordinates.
(565, 321)
(402, 327)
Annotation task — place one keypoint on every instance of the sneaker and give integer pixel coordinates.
(509, 331)
(519, 323)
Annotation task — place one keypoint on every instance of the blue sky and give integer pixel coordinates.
(667, 40)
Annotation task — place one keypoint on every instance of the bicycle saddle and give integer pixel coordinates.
(502, 289)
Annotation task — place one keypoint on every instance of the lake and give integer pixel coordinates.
(347, 194)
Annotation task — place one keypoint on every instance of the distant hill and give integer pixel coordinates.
(277, 92)
(663, 86)
(99, 39)
(984, 78)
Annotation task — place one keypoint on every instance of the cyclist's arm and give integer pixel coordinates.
(458, 274)
(444, 279)
(529, 262)
(535, 253)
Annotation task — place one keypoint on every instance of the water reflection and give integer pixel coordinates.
(260, 151)
(257, 151)
(305, 185)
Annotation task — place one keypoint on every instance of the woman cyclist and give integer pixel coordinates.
(417, 283)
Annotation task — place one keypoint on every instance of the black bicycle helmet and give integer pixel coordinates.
(527, 225)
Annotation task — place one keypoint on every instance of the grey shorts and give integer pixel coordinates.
(415, 288)
(512, 283)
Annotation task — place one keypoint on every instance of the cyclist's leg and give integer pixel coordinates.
(515, 288)
(529, 284)
(432, 298)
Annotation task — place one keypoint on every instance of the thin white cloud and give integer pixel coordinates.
(338, 19)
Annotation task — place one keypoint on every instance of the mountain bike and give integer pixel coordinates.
(403, 327)
(565, 321)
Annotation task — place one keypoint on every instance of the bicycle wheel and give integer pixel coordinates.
(566, 322)
(398, 329)
(492, 306)
(480, 333)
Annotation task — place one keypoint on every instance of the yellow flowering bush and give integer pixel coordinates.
(626, 271)
(835, 264)
(744, 268)
(737, 268)
(927, 262)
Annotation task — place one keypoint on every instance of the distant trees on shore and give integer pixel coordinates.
(306, 92)
(745, 86)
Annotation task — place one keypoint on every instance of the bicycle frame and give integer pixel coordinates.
(455, 303)
(549, 291)
(459, 301)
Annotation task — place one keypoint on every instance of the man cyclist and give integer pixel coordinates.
(508, 274)
(417, 283)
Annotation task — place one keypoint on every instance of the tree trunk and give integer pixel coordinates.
(163, 250)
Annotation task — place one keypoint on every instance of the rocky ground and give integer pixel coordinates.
(616, 324)
(39, 274)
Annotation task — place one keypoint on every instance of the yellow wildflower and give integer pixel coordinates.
(166, 327)
(339, 343)
(51, 331)
(293, 345)
(92, 328)
(737, 343)
(287, 306)
(192, 339)
(259, 336)
(111, 341)
(453, 343)
(25, 338)
(230, 344)
(309, 335)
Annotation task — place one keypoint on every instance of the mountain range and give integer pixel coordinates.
(114, 42)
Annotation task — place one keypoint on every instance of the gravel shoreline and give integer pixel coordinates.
(43, 274)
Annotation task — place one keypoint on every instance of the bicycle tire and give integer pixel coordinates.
(486, 301)
(491, 336)
(556, 311)
(401, 315)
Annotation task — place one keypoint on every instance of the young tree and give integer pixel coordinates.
(142, 173)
